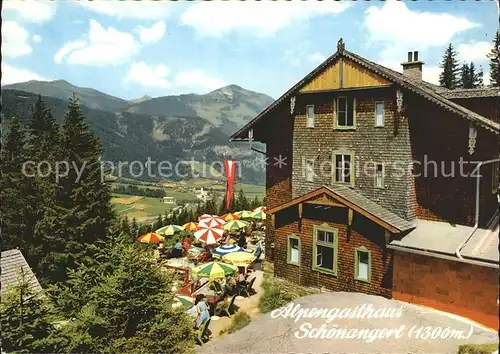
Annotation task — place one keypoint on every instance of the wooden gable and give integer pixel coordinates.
(344, 74)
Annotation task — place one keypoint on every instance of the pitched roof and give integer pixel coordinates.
(430, 91)
(12, 264)
(358, 203)
(469, 93)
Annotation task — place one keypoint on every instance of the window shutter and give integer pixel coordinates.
(349, 112)
(354, 112)
(334, 113)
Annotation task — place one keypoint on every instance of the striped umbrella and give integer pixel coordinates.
(244, 214)
(229, 217)
(169, 230)
(239, 258)
(210, 221)
(186, 301)
(235, 225)
(208, 235)
(150, 237)
(226, 249)
(190, 226)
(261, 208)
(261, 215)
(214, 270)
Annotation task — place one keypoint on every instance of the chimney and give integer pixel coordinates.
(413, 67)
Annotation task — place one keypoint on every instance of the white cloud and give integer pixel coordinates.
(152, 34)
(32, 11)
(37, 38)
(260, 18)
(316, 58)
(196, 80)
(144, 10)
(395, 24)
(68, 48)
(14, 40)
(155, 76)
(105, 46)
(486, 78)
(12, 75)
(474, 51)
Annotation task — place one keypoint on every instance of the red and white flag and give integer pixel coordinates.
(230, 167)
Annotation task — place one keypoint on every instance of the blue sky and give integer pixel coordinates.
(129, 49)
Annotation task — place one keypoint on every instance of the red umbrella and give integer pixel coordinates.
(210, 221)
(208, 235)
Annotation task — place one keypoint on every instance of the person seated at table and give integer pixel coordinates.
(186, 243)
(242, 241)
(201, 304)
(194, 312)
(241, 277)
(230, 287)
(177, 251)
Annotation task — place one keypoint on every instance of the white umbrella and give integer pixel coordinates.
(209, 235)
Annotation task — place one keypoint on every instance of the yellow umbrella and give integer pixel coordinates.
(235, 225)
(239, 258)
(261, 215)
(169, 230)
(214, 270)
(230, 216)
(150, 237)
(244, 214)
(190, 226)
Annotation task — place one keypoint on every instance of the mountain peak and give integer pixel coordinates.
(140, 99)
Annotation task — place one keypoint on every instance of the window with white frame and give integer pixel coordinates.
(362, 264)
(345, 113)
(379, 175)
(325, 249)
(293, 250)
(310, 116)
(344, 166)
(310, 170)
(379, 114)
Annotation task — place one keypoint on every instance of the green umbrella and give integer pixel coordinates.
(259, 215)
(186, 301)
(169, 230)
(214, 270)
(244, 214)
(235, 225)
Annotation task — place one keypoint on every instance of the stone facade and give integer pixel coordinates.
(464, 289)
(362, 233)
(389, 144)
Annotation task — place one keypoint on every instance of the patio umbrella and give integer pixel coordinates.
(186, 301)
(190, 226)
(150, 237)
(226, 249)
(214, 270)
(261, 215)
(210, 221)
(235, 225)
(209, 235)
(243, 214)
(229, 217)
(261, 208)
(169, 230)
(239, 258)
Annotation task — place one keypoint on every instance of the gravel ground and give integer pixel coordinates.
(279, 335)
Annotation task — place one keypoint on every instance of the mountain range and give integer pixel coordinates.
(169, 128)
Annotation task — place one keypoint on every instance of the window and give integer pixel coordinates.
(379, 175)
(345, 113)
(379, 114)
(309, 170)
(344, 166)
(293, 253)
(325, 249)
(495, 181)
(310, 116)
(362, 264)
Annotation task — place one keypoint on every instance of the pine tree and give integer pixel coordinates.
(26, 319)
(465, 79)
(243, 203)
(449, 77)
(81, 212)
(14, 191)
(476, 77)
(494, 57)
(159, 222)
